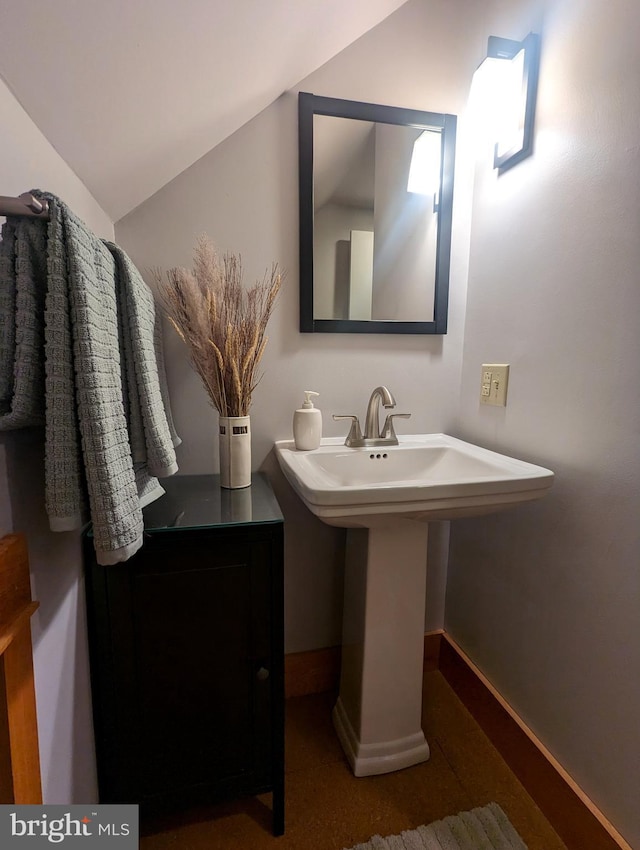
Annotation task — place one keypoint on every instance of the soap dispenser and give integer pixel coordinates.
(307, 424)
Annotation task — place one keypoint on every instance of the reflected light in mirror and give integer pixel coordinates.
(425, 167)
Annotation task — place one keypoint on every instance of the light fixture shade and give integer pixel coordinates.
(425, 166)
(510, 80)
(510, 129)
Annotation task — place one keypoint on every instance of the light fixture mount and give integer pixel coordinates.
(502, 48)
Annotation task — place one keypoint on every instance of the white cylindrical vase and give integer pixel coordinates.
(235, 452)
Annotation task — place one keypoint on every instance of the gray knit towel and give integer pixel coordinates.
(92, 351)
(23, 285)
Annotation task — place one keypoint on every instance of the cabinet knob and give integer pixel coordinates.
(262, 674)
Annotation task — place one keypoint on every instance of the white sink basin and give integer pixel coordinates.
(427, 476)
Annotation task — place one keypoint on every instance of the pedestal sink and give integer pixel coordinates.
(385, 497)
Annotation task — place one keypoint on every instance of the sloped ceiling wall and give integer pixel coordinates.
(132, 93)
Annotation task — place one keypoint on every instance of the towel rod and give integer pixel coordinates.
(25, 204)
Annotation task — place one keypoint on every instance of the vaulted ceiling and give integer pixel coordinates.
(132, 92)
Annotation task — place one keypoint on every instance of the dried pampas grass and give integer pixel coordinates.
(222, 324)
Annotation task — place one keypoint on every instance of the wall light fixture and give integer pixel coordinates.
(510, 81)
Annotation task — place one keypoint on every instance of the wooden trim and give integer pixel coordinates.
(312, 672)
(318, 670)
(576, 819)
(6, 776)
(432, 644)
(23, 724)
(13, 628)
(15, 589)
(16, 651)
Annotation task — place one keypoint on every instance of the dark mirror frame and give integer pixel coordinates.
(310, 105)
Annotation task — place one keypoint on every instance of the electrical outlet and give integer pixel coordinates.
(493, 384)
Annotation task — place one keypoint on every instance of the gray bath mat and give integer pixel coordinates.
(487, 828)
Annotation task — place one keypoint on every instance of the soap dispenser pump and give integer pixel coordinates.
(307, 424)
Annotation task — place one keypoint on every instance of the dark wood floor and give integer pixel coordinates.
(327, 808)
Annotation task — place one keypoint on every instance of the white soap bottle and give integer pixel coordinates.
(307, 424)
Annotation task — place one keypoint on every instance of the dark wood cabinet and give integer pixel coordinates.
(186, 647)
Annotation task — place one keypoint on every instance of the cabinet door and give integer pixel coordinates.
(190, 635)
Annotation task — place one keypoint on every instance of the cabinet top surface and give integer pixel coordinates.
(198, 501)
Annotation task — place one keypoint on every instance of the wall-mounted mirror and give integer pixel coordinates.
(376, 193)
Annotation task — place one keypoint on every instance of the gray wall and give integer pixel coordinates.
(245, 194)
(546, 599)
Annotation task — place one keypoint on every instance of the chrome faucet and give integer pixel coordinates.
(373, 436)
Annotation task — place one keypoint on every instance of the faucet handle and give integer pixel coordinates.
(355, 432)
(388, 431)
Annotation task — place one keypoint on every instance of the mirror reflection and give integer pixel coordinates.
(375, 215)
(373, 227)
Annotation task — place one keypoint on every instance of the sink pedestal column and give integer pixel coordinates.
(378, 712)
